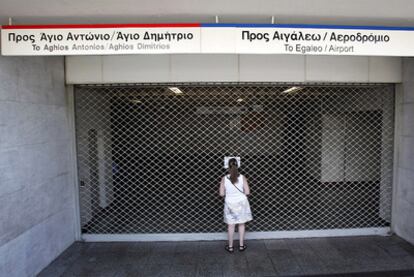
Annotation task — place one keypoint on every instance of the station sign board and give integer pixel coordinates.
(205, 38)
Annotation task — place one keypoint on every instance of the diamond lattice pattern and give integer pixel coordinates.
(150, 157)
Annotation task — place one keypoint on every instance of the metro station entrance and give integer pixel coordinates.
(150, 157)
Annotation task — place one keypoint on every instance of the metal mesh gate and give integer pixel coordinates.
(150, 157)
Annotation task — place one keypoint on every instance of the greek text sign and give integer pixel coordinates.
(35, 40)
(101, 39)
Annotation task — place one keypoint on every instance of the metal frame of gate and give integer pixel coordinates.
(247, 107)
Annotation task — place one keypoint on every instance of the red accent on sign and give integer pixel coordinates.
(93, 26)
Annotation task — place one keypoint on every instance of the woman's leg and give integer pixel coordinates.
(230, 231)
(241, 233)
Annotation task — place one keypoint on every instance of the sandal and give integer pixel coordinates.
(242, 248)
(229, 249)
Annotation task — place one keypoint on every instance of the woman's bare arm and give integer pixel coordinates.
(246, 186)
(221, 190)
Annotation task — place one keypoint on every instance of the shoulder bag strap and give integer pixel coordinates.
(235, 186)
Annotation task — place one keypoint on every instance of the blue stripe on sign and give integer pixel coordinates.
(306, 26)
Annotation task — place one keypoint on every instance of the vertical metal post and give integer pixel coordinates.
(71, 117)
(399, 90)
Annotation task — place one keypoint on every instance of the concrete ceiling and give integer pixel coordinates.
(367, 12)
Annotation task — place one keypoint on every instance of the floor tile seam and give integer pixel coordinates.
(248, 266)
(272, 263)
(275, 268)
(300, 264)
(318, 252)
(198, 271)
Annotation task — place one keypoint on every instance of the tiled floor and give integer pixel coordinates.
(350, 256)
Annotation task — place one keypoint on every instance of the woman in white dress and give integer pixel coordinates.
(235, 188)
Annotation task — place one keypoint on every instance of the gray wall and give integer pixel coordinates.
(403, 215)
(37, 211)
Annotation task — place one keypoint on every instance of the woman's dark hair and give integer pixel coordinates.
(233, 170)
